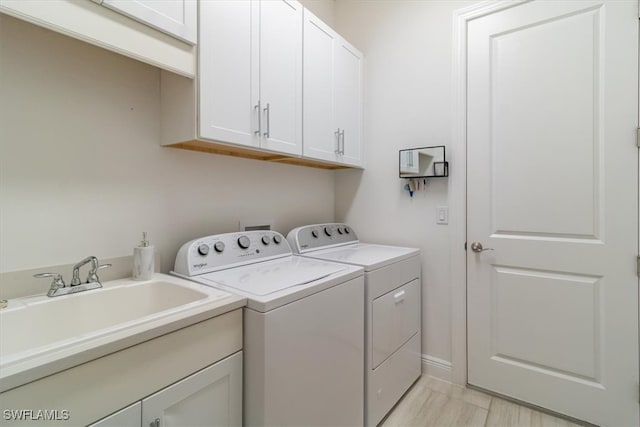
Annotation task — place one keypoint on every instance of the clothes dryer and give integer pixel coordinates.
(393, 359)
(303, 327)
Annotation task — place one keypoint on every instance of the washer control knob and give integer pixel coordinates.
(203, 249)
(314, 233)
(347, 230)
(328, 231)
(219, 247)
(244, 242)
(277, 239)
(340, 230)
(266, 240)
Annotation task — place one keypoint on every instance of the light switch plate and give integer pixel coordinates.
(442, 215)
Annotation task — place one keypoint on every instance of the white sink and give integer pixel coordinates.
(41, 335)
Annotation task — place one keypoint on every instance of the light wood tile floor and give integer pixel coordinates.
(432, 402)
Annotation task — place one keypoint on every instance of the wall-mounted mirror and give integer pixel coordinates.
(424, 162)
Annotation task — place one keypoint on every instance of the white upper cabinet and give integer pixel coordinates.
(281, 75)
(348, 93)
(251, 74)
(274, 83)
(332, 95)
(178, 18)
(228, 74)
(319, 113)
(92, 22)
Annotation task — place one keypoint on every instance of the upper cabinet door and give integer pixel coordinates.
(228, 72)
(332, 95)
(348, 75)
(281, 75)
(320, 130)
(178, 18)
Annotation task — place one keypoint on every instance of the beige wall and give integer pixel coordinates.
(82, 172)
(408, 103)
(323, 9)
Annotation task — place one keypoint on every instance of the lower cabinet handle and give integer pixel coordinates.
(155, 423)
(399, 296)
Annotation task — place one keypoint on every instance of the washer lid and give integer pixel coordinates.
(367, 255)
(270, 284)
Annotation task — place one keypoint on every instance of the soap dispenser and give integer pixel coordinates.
(143, 260)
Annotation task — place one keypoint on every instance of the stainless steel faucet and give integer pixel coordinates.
(58, 287)
(75, 280)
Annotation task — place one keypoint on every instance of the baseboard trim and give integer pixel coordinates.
(436, 367)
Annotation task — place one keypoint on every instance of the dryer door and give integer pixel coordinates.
(396, 318)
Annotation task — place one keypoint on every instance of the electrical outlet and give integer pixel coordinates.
(442, 215)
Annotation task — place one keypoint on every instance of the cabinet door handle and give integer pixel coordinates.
(257, 108)
(399, 296)
(337, 134)
(342, 137)
(155, 423)
(266, 110)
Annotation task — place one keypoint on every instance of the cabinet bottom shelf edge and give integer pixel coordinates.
(251, 153)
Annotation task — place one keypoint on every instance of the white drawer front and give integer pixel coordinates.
(395, 319)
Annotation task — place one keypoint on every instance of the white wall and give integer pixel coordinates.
(82, 172)
(408, 103)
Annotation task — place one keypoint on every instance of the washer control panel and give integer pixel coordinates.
(220, 251)
(320, 236)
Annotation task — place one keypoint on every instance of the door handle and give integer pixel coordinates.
(399, 296)
(477, 247)
(342, 138)
(337, 134)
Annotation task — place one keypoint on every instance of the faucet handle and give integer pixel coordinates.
(93, 274)
(58, 282)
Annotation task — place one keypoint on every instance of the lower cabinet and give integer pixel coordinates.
(130, 416)
(210, 397)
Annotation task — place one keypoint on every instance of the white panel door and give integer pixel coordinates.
(552, 188)
(178, 18)
(348, 75)
(228, 71)
(320, 139)
(211, 397)
(281, 75)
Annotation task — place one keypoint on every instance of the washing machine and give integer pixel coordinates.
(303, 327)
(393, 359)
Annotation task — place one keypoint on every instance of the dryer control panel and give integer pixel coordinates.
(221, 251)
(320, 236)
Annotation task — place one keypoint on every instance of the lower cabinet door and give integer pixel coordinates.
(211, 397)
(127, 417)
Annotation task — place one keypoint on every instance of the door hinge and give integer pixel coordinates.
(638, 138)
(638, 266)
(465, 246)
